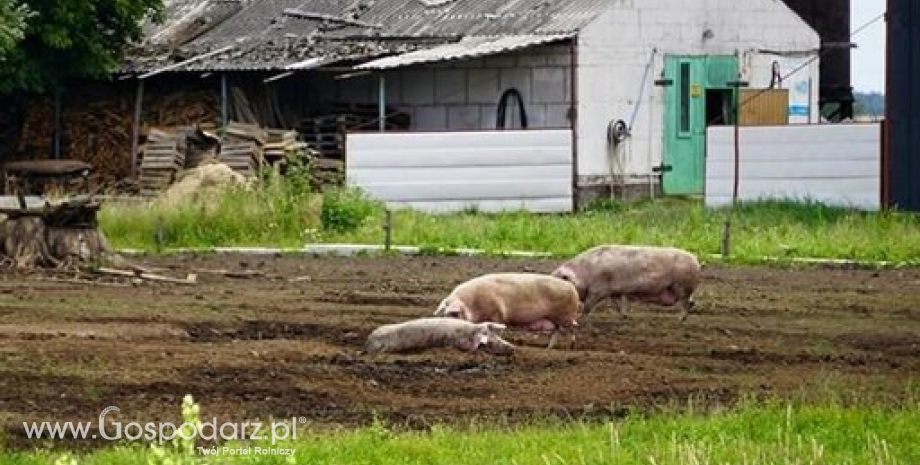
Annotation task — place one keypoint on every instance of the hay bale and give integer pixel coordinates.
(201, 183)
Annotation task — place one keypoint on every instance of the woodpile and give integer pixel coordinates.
(245, 148)
(97, 129)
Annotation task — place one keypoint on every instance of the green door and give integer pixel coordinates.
(693, 78)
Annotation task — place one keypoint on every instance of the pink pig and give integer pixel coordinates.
(533, 301)
(657, 275)
(425, 333)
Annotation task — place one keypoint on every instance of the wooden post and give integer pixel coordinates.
(136, 126)
(388, 230)
(727, 227)
(224, 105)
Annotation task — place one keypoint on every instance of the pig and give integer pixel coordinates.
(658, 275)
(425, 333)
(537, 302)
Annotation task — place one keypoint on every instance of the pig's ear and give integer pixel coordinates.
(442, 307)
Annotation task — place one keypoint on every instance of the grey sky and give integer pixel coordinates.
(868, 65)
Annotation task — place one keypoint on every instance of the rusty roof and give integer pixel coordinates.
(273, 34)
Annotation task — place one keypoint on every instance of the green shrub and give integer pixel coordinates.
(346, 210)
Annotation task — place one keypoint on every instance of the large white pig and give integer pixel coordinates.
(537, 302)
(659, 275)
(426, 333)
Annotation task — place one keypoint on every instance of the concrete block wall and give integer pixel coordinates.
(614, 49)
(464, 94)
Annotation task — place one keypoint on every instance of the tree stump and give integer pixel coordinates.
(53, 236)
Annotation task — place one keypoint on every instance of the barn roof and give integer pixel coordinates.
(276, 34)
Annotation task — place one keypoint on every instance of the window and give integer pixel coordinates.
(684, 126)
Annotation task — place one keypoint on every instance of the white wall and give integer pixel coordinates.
(451, 171)
(836, 164)
(614, 49)
(464, 94)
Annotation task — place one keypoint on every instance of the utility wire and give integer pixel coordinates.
(803, 65)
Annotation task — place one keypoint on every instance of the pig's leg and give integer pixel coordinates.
(686, 304)
(624, 305)
(559, 330)
(553, 339)
(592, 301)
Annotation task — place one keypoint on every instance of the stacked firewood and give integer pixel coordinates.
(99, 131)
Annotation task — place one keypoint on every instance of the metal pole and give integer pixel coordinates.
(224, 107)
(382, 103)
(136, 125)
(727, 227)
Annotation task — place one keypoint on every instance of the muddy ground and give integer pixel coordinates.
(282, 339)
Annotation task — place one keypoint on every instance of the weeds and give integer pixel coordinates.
(282, 214)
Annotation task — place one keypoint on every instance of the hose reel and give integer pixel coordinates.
(617, 132)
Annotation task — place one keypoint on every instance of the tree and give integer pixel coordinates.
(13, 17)
(65, 39)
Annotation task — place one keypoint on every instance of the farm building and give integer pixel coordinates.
(485, 103)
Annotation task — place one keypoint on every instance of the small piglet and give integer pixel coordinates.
(425, 333)
(536, 302)
(657, 275)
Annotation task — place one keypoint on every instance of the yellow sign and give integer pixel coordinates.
(696, 90)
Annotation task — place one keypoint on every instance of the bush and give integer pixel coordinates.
(346, 210)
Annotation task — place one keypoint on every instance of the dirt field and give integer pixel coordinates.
(286, 343)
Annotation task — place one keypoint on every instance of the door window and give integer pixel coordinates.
(683, 127)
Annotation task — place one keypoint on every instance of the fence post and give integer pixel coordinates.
(387, 230)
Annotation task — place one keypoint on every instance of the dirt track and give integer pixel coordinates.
(265, 346)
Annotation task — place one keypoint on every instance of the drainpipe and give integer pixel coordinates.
(573, 112)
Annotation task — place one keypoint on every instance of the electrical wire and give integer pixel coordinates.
(808, 62)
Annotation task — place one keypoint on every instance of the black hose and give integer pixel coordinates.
(503, 102)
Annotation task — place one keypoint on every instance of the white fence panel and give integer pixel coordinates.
(451, 171)
(832, 163)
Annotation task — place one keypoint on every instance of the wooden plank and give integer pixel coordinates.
(764, 107)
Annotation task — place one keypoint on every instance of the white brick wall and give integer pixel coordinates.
(464, 94)
(613, 51)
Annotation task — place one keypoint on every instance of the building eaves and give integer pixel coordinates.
(469, 47)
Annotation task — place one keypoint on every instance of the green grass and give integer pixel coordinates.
(278, 216)
(763, 433)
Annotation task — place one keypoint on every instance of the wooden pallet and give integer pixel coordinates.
(160, 161)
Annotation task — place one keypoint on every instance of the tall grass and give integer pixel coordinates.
(771, 433)
(280, 215)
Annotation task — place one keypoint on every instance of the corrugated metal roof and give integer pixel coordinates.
(265, 38)
(466, 48)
